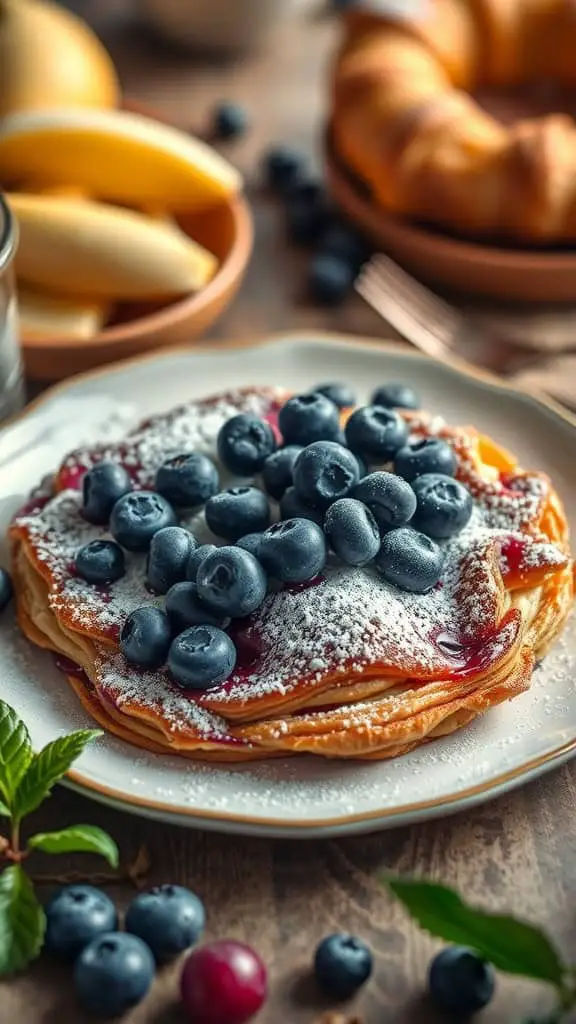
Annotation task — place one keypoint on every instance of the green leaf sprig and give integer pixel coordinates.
(511, 945)
(26, 779)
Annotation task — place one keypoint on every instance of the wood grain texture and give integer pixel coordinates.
(518, 852)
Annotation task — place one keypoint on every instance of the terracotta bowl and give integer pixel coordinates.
(506, 274)
(227, 231)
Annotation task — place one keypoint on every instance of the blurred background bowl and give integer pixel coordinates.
(452, 264)
(227, 231)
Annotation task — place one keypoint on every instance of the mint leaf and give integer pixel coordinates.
(510, 945)
(22, 921)
(47, 768)
(77, 839)
(15, 753)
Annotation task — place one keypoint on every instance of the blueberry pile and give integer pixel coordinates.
(337, 250)
(223, 982)
(331, 496)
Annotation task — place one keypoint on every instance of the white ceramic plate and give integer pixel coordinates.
(300, 797)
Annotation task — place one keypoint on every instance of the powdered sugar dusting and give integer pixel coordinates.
(353, 624)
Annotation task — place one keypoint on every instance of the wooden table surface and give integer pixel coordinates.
(516, 852)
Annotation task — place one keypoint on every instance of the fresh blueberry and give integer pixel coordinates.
(200, 657)
(102, 486)
(251, 543)
(292, 507)
(195, 560)
(238, 511)
(390, 499)
(343, 242)
(352, 531)
(231, 582)
(100, 561)
(146, 636)
(293, 551)
(168, 918)
(460, 981)
(444, 505)
(396, 396)
(244, 444)
(6, 589)
(75, 915)
(428, 456)
(410, 560)
(277, 471)
(282, 167)
(168, 558)
(376, 433)
(340, 394)
(187, 480)
(342, 964)
(330, 279)
(305, 219)
(307, 418)
(325, 472)
(137, 517)
(184, 609)
(230, 121)
(308, 190)
(113, 974)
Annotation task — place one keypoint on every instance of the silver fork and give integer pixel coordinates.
(421, 317)
(436, 328)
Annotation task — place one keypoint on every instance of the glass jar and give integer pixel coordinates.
(11, 374)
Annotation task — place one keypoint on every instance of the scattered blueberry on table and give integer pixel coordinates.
(282, 167)
(229, 121)
(342, 964)
(75, 915)
(168, 918)
(460, 981)
(113, 973)
(6, 589)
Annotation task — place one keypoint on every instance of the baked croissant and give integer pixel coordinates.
(405, 122)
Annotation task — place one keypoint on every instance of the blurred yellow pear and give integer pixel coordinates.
(48, 316)
(77, 247)
(117, 156)
(49, 57)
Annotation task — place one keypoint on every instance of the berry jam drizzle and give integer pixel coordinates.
(468, 659)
